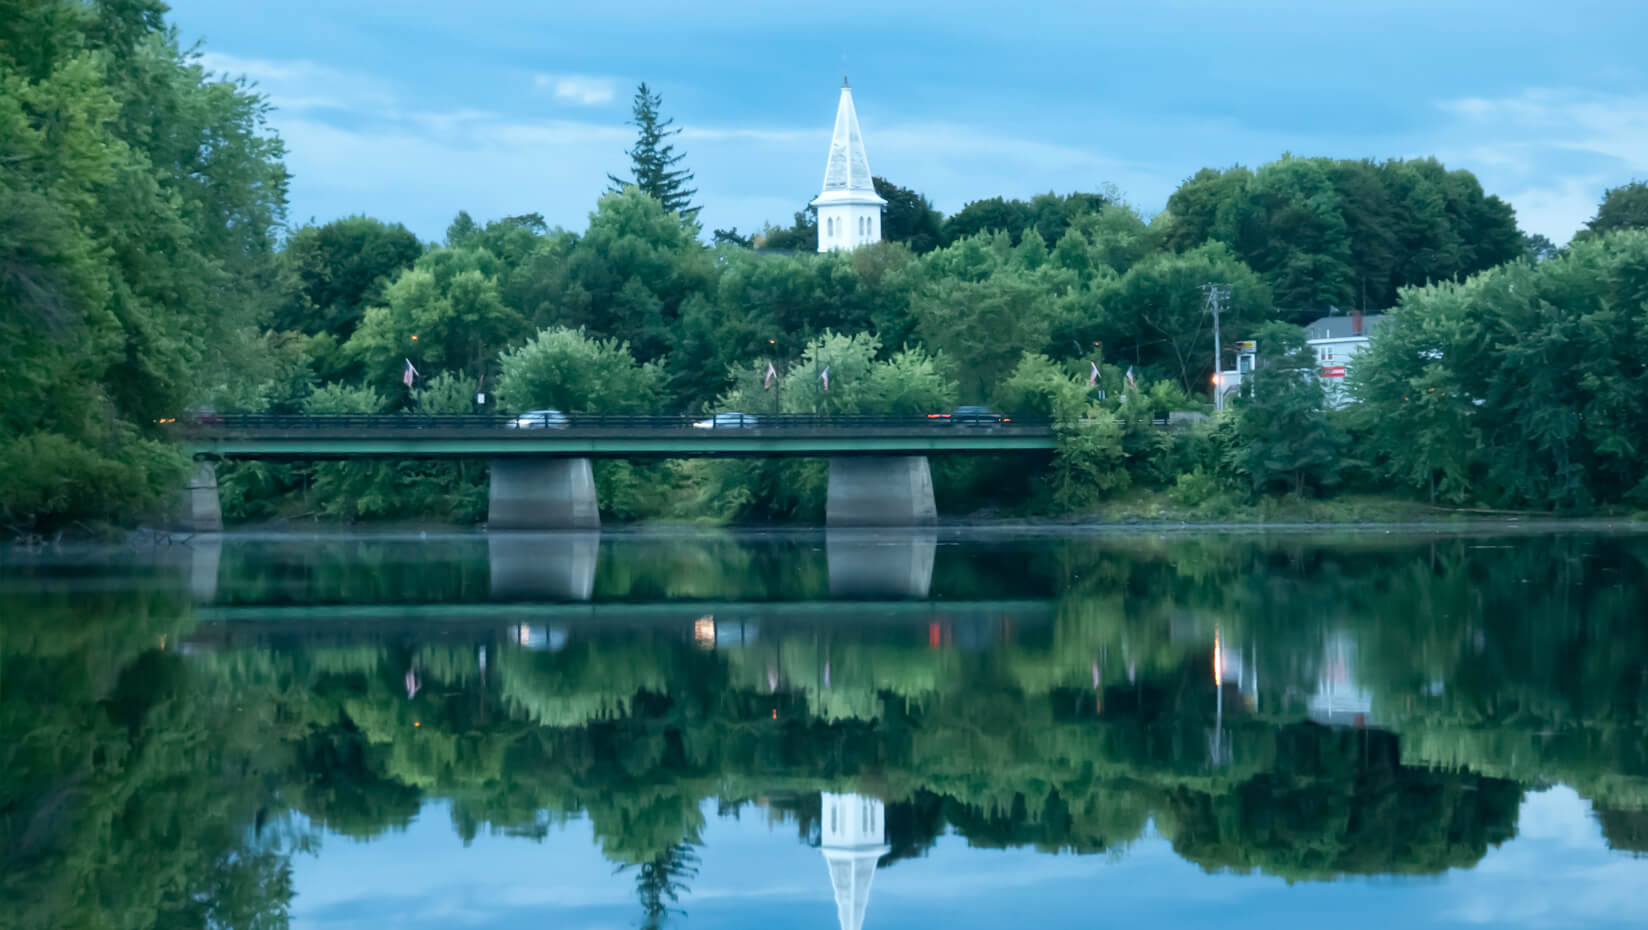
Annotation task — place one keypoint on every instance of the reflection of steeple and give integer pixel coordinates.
(854, 831)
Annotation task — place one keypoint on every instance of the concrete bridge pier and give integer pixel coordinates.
(199, 509)
(880, 490)
(542, 494)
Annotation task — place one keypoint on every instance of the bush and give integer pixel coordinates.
(52, 480)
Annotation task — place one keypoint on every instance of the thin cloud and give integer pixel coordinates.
(299, 85)
(581, 89)
(1554, 150)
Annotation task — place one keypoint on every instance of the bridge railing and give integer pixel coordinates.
(584, 422)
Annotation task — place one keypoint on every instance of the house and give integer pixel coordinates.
(1336, 339)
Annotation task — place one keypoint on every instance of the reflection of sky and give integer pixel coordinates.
(1556, 873)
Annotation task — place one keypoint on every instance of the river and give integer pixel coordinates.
(956, 729)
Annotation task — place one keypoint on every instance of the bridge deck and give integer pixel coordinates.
(411, 436)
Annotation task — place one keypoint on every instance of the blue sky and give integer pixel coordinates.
(412, 110)
(1556, 873)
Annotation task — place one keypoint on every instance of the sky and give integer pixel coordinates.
(412, 110)
(1556, 873)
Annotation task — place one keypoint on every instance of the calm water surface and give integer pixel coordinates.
(826, 730)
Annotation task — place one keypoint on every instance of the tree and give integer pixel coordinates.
(567, 369)
(1521, 387)
(1623, 207)
(909, 217)
(653, 159)
(1155, 315)
(733, 238)
(1049, 214)
(444, 313)
(1284, 436)
(801, 236)
(629, 275)
(141, 196)
(329, 274)
(1540, 248)
(1345, 233)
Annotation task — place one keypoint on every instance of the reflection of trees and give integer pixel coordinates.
(145, 774)
(660, 881)
(129, 796)
(1339, 802)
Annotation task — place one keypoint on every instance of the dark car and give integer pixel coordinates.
(973, 415)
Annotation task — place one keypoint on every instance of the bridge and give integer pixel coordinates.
(539, 469)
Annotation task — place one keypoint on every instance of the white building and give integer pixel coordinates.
(1336, 339)
(854, 833)
(849, 210)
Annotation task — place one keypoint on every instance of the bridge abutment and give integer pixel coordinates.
(542, 494)
(880, 490)
(199, 509)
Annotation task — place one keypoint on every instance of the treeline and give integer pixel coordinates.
(145, 276)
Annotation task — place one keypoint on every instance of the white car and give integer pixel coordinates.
(729, 421)
(538, 419)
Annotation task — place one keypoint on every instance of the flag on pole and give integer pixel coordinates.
(825, 377)
(1093, 378)
(771, 374)
(1130, 382)
(409, 374)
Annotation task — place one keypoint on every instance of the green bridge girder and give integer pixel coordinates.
(665, 444)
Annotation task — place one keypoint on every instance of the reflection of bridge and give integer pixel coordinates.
(541, 478)
(538, 567)
(542, 584)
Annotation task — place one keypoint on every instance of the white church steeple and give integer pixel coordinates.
(849, 210)
(854, 831)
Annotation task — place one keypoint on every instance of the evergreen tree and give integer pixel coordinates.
(653, 159)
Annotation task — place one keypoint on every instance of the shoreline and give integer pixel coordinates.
(957, 530)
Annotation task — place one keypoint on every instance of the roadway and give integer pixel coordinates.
(401, 436)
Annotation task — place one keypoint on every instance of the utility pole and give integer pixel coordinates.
(1215, 296)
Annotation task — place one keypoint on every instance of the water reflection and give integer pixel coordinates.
(1300, 708)
(881, 565)
(542, 566)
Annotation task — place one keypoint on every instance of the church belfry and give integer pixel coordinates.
(849, 210)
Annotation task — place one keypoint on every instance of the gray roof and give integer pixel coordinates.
(1340, 326)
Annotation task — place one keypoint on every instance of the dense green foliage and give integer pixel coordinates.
(1623, 207)
(141, 280)
(140, 196)
(1522, 387)
(1345, 233)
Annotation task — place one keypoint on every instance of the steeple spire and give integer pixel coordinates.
(849, 210)
(848, 168)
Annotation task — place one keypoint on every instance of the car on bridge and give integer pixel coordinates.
(968, 415)
(729, 421)
(538, 419)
